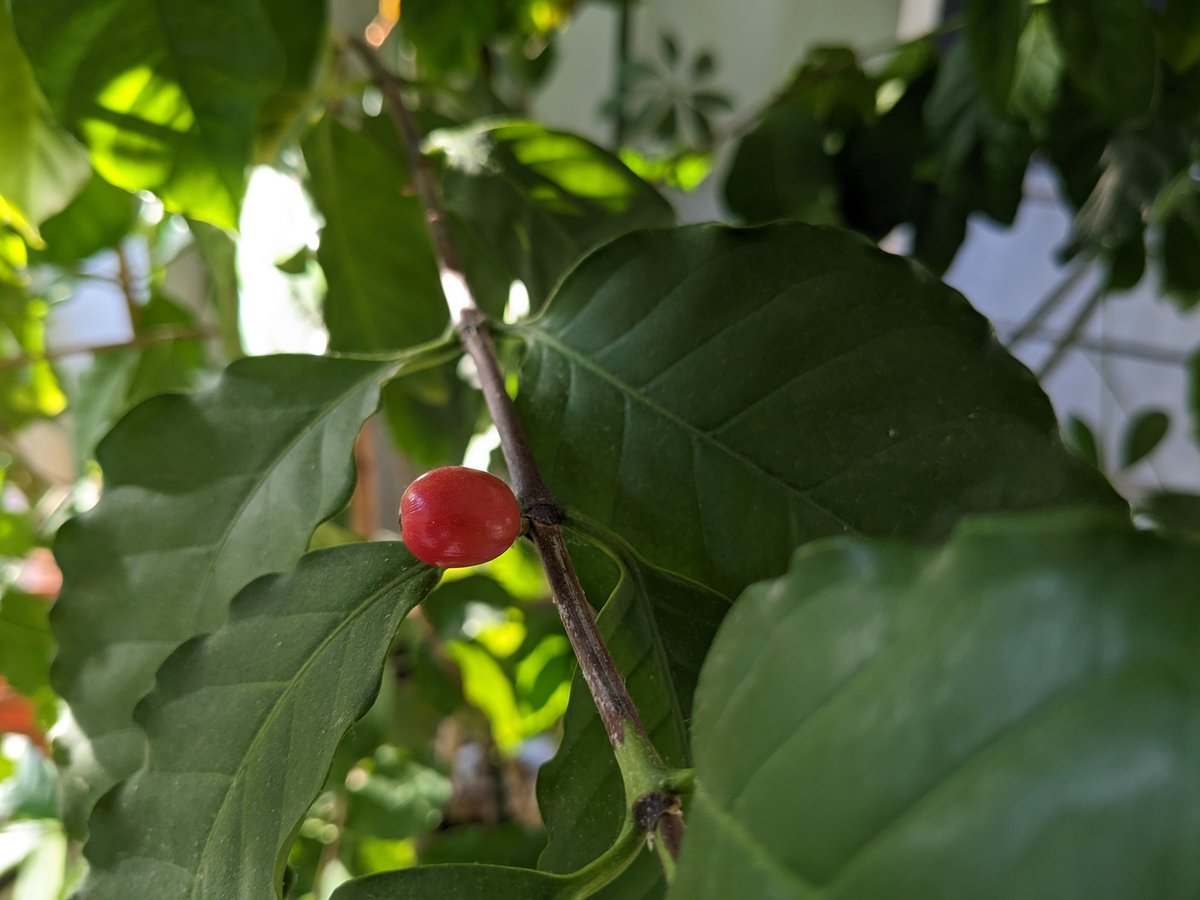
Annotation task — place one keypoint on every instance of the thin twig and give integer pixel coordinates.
(1049, 304)
(149, 339)
(1121, 349)
(1082, 316)
(125, 280)
(616, 708)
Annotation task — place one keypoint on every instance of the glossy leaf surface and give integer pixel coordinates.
(718, 396)
(1015, 714)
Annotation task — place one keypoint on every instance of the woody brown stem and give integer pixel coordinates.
(617, 711)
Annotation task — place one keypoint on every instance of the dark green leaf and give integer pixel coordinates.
(383, 282)
(867, 398)
(396, 799)
(242, 725)
(1143, 434)
(432, 415)
(712, 101)
(165, 96)
(1179, 34)
(300, 29)
(668, 49)
(95, 220)
(202, 494)
(1109, 50)
(993, 29)
(465, 881)
(1012, 715)
(1037, 71)
(41, 168)
(1174, 511)
(1135, 166)
(668, 126)
(658, 628)
(703, 65)
(1180, 255)
(980, 155)
(536, 200)
(781, 170)
(25, 642)
(1082, 441)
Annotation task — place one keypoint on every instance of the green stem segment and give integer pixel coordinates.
(654, 811)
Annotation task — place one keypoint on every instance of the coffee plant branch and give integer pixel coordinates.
(656, 811)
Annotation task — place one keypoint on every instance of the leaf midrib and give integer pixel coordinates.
(279, 704)
(697, 435)
(267, 473)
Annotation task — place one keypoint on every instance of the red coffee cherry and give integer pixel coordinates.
(456, 516)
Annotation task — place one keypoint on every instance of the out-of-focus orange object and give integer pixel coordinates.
(383, 23)
(39, 574)
(17, 715)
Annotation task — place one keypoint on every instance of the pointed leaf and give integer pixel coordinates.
(868, 398)
(1110, 53)
(383, 281)
(242, 726)
(1037, 71)
(781, 170)
(41, 168)
(202, 494)
(164, 95)
(1082, 441)
(658, 628)
(1143, 434)
(993, 28)
(1012, 715)
(538, 200)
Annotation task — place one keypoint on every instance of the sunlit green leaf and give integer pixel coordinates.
(781, 170)
(300, 29)
(1037, 70)
(993, 28)
(1110, 54)
(1082, 440)
(538, 199)
(164, 95)
(96, 219)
